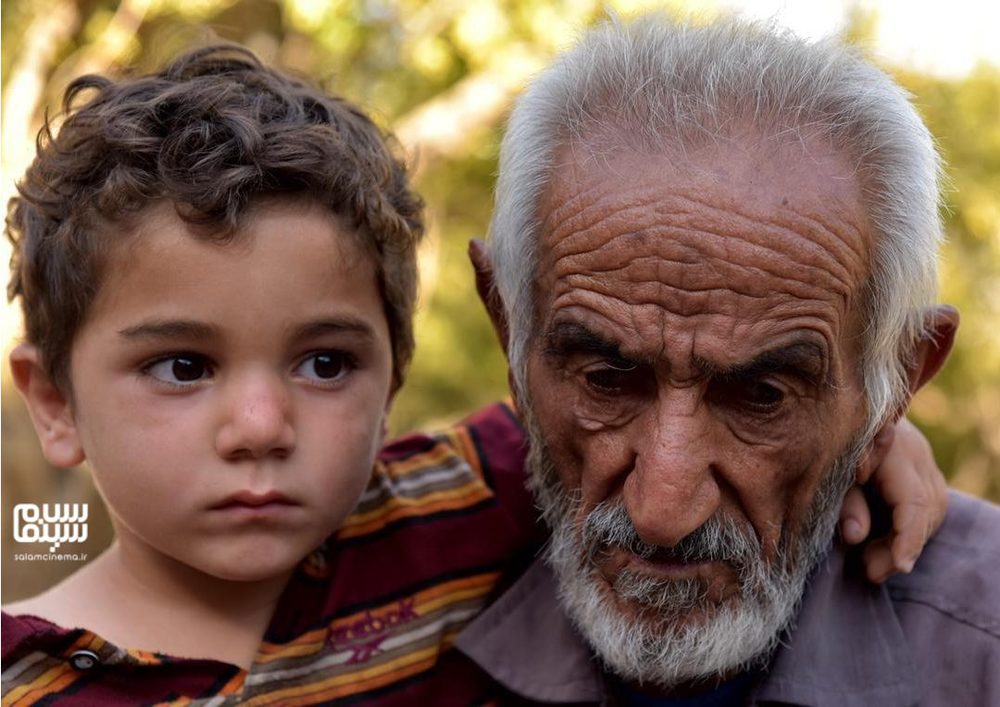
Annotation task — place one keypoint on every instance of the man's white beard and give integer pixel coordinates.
(653, 646)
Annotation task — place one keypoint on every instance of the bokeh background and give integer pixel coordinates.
(441, 75)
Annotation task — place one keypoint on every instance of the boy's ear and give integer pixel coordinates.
(50, 410)
(929, 356)
(483, 265)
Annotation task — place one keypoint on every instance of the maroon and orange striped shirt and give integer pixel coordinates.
(370, 618)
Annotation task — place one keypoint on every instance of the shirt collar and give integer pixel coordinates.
(846, 648)
(525, 641)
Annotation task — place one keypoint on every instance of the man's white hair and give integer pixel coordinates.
(657, 84)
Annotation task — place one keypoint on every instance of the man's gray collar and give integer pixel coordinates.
(526, 643)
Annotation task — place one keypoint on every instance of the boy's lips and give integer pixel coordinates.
(254, 500)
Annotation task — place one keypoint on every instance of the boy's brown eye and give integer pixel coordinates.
(183, 369)
(188, 369)
(325, 366)
(328, 365)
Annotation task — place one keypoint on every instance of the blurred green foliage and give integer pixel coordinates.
(442, 75)
(960, 409)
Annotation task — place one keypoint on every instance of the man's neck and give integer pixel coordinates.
(710, 692)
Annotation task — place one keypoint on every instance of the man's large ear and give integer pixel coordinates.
(928, 357)
(486, 287)
(933, 348)
(49, 408)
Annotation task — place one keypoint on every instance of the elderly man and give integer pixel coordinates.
(715, 249)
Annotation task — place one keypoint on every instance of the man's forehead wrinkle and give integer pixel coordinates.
(626, 322)
(848, 243)
(686, 253)
(646, 328)
(696, 262)
(596, 232)
(690, 302)
(567, 208)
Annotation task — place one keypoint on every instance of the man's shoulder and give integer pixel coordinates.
(949, 606)
(958, 574)
(931, 637)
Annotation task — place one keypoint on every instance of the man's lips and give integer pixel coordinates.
(665, 567)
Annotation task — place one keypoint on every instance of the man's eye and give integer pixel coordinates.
(614, 378)
(758, 396)
(325, 366)
(184, 369)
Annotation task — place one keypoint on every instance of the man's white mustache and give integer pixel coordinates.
(719, 539)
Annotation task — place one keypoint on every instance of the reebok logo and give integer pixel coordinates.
(364, 636)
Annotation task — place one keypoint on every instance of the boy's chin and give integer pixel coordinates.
(259, 573)
(262, 564)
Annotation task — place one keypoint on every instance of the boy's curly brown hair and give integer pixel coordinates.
(211, 132)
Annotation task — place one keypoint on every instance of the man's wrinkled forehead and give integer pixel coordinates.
(760, 176)
(734, 228)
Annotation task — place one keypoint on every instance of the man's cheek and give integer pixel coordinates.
(802, 421)
(783, 491)
(591, 459)
(768, 478)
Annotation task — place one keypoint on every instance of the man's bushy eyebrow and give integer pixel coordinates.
(804, 358)
(570, 338)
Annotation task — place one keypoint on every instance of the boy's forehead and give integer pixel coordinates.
(137, 232)
(290, 273)
(277, 244)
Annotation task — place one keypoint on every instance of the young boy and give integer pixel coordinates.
(217, 269)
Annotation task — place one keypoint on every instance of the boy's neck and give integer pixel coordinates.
(173, 584)
(157, 604)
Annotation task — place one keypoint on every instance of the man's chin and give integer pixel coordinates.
(651, 644)
(682, 616)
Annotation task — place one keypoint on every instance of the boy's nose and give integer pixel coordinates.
(257, 421)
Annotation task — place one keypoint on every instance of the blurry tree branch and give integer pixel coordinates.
(444, 126)
(26, 83)
(110, 46)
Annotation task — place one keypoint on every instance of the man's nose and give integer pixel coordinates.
(256, 418)
(672, 489)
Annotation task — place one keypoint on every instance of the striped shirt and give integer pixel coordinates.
(444, 526)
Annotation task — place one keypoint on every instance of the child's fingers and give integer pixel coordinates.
(855, 518)
(879, 565)
(913, 523)
(917, 493)
(913, 516)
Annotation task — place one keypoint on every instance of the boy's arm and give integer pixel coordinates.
(913, 488)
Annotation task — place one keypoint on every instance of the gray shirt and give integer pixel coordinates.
(928, 638)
